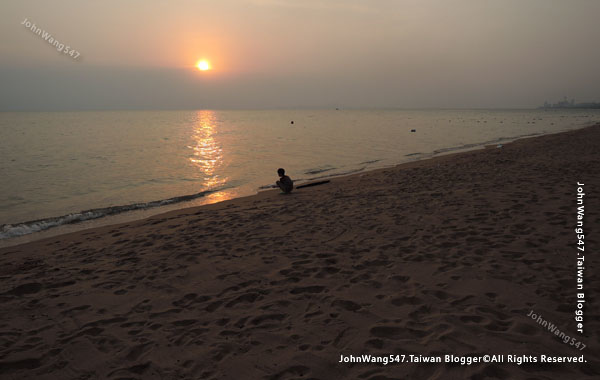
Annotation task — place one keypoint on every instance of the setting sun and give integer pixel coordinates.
(203, 65)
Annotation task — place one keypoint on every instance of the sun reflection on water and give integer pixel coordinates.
(207, 154)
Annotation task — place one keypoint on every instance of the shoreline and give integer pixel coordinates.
(145, 213)
(451, 255)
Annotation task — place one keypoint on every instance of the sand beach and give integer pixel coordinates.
(446, 256)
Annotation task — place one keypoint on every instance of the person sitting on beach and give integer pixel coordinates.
(285, 183)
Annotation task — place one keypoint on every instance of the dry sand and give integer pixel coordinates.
(442, 256)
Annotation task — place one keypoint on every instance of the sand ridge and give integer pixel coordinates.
(442, 256)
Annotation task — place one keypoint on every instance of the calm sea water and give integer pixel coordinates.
(58, 168)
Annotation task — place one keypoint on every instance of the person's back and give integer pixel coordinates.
(285, 183)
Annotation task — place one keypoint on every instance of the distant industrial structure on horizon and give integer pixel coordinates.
(565, 103)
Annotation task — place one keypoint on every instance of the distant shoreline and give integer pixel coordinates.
(575, 107)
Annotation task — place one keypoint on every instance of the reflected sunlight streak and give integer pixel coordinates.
(207, 154)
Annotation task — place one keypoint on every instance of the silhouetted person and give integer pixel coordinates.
(285, 183)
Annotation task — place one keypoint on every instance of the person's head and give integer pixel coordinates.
(281, 172)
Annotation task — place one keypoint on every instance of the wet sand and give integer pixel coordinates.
(441, 256)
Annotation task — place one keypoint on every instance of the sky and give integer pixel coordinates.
(141, 54)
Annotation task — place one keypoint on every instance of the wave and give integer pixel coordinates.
(482, 144)
(336, 174)
(13, 230)
(320, 170)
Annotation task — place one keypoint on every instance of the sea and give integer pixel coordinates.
(67, 171)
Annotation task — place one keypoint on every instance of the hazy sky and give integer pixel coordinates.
(140, 54)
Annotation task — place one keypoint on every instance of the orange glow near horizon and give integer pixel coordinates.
(203, 65)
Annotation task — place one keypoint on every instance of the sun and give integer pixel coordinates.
(203, 65)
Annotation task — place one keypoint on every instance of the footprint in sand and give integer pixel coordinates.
(406, 300)
(526, 329)
(24, 289)
(190, 299)
(259, 320)
(308, 289)
(244, 298)
(291, 372)
(471, 319)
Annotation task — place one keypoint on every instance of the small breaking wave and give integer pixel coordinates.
(482, 144)
(13, 230)
(320, 170)
(369, 162)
